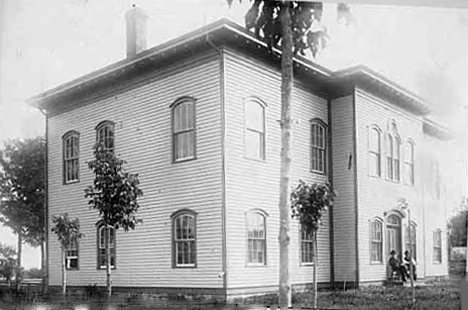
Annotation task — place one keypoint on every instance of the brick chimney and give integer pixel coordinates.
(136, 31)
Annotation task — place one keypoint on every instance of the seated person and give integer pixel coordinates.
(396, 265)
(409, 260)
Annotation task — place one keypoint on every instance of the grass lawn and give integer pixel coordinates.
(440, 295)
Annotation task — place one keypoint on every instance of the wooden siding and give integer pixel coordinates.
(378, 196)
(255, 183)
(344, 182)
(142, 119)
(436, 208)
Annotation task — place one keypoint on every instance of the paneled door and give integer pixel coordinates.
(393, 234)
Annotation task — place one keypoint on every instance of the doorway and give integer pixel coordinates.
(393, 234)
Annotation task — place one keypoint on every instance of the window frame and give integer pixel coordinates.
(301, 248)
(408, 163)
(317, 122)
(263, 215)
(413, 228)
(437, 236)
(373, 241)
(371, 153)
(193, 147)
(174, 217)
(73, 136)
(77, 256)
(102, 125)
(262, 145)
(112, 248)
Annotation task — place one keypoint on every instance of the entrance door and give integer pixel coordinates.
(393, 233)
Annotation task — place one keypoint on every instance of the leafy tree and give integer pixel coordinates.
(308, 203)
(458, 228)
(7, 262)
(68, 232)
(294, 27)
(114, 194)
(22, 183)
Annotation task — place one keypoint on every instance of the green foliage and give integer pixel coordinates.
(66, 229)
(309, 202)
(22, 183)
(263, 18)
(114, 192)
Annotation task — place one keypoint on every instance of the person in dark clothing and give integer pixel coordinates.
(396, 265)
(409, 260)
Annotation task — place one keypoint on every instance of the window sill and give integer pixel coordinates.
(306, 264)
(318, 172)
(182, 160)
(104, 268)
(71, 182)
(73, 269)
(253, 265)
(193, 266)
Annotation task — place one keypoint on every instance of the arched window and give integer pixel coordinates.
(409, 162)
(256, 238)
(396, 159)
(183, 129)
(307, 247)
(71, 152)
(437, 247)
(411, 245)
(105, 134)
(374, 152)
(102, 232)
(318, 138)
(254, 129)
(389, 156)
(393, 153)
(184, 239)
(376, 241)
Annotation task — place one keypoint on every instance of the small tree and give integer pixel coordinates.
(308, 203)
(67, 231)
(114, 194)
(7, 262)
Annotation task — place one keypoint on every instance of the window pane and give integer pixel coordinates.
(253, 144)
(374, 141)
(254, 117)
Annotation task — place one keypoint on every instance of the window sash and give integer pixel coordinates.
(307, 247)
(254, 144)
(437, 247)
(376, 242)
(318, 148)
(374, 164)
(256, 239)
(183, 129)
(71, 158)
(102, 247)
(105, 136)
(184, 240)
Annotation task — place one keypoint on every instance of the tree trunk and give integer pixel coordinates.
(108, 262)
(315, 270)
(286, 137)
(43, 268)
(64, 272)
(18, 260)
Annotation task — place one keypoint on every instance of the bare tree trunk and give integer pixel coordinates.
(286, 137)
(43, 268)
(108, 262)
(64, 272)
(18, 260)
(315, 270)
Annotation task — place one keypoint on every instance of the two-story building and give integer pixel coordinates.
(198, 119)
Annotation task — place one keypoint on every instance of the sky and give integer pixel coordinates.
(46, 43)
